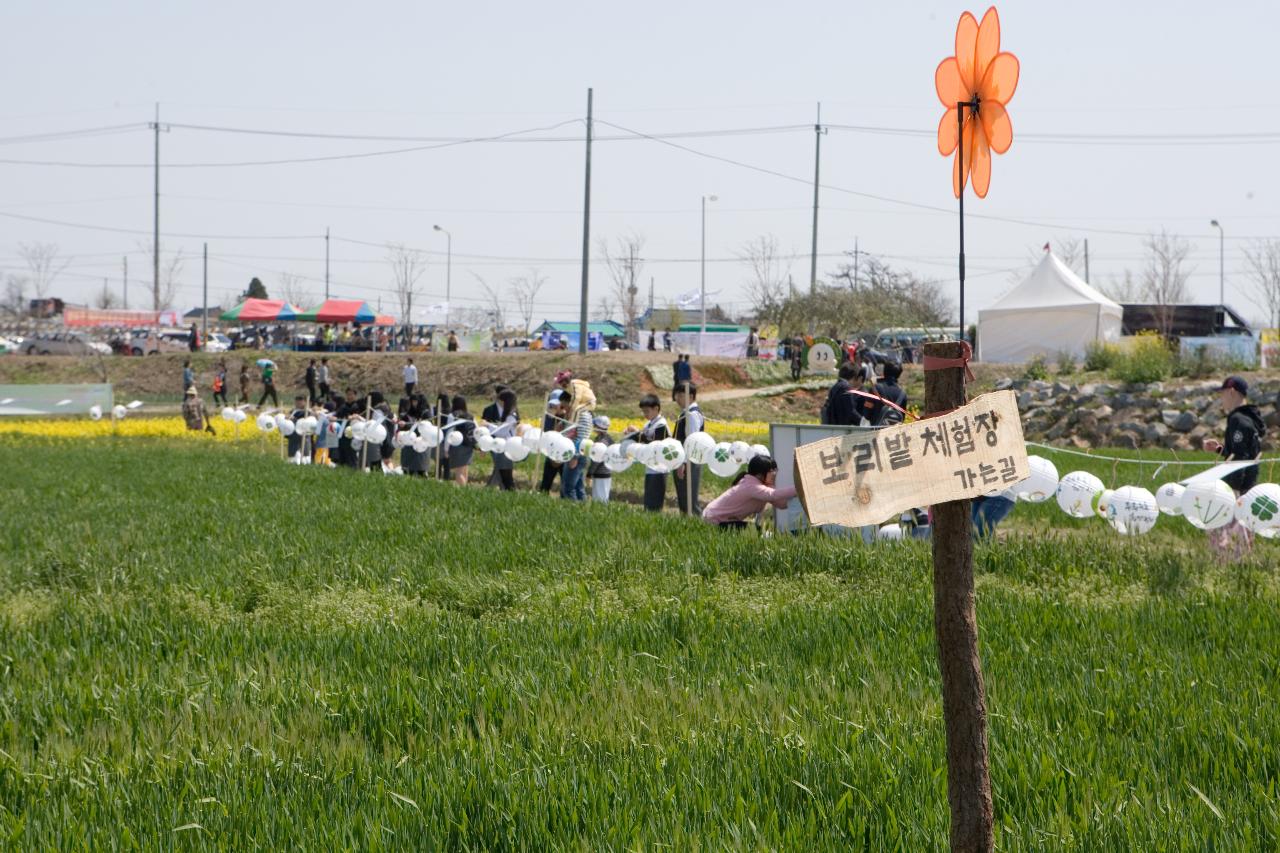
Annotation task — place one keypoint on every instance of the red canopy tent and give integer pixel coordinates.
(384, 320)
(339, 311)
(261, 311)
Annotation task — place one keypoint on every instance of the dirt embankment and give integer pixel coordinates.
(618, 378)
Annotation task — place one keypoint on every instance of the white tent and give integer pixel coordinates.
(1053, 310)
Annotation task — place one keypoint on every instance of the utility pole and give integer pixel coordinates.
(155, 234)
(126, 282)
(586, 237)
(855, 263)
(818, 131)
(205, 299)
(326, 265)
(1086, 260)
(651, 299)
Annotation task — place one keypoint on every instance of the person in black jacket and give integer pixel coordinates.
(879, 412)
(841, 407)
(1244, 433)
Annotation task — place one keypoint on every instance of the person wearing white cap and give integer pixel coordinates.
(601, 476)
(550, 421)
(193, 411)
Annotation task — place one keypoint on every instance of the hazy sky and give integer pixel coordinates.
(1141, 77)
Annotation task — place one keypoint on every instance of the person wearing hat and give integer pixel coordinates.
(1243, 441)
(581, 406)
(193, 412)
(1243, 438)
(601, 476)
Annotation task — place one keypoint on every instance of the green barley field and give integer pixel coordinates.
(205, 648)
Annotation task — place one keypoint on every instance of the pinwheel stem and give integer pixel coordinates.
(964, 177)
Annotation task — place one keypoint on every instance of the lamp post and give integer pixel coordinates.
(448, 273)
(703, 330)
(1222, 274)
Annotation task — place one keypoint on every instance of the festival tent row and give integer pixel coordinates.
(1053, 310)
(117, 318)
(261, 311)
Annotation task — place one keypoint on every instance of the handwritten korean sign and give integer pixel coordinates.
(865, 478)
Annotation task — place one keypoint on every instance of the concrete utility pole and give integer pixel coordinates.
(586, 237)
(126, 281)
(1086, 260)
(326, 265)
(155, 234)
(818, 131)
(205, 299)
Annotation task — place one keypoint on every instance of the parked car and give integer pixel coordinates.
(217, 342)
(168, 340)
(8, 345)
(58, 343)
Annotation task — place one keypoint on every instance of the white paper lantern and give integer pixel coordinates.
(1077, 493)
(585, 447)
(1269, 532)
(599, 451)
(238, 416)
(358, 429)
(671, 452)
(401, 439)
(697, 446)
(741, 452)
(285, 426)
(889, 533)
(484, 444)
(545, 440)
(375, 433)
(482, 432)
(134, 404)
(1169, 498)
(455, 438)
(531, 437)
(228, 413)
(559, 447)
(1133, 510)
(722, 463)
(420, 444)
(429, 432)
(516, 451)
(628, 448)
(615, 460)
(118, 412)
(1041, 484)
(760, 450)
(1209, 505)
(1259, 508)
(266, 423)
(1103, 503)
(308, 425)
(499, 444)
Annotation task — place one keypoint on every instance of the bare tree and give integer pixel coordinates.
(767, 276)
(524, 289)
(494, 307)
(625, 266)
(293, 290)
(162, 296)
(1122, 289)
(45, 265)
(407, 266)
(106, 299)
(15, 297)
(1164, 279)
(604, 308)
(1263, 260)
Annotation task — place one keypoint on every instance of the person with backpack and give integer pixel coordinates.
(887, 410)
(1243, 441)
(220, 383)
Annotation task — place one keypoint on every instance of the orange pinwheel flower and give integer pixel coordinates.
(979, 72)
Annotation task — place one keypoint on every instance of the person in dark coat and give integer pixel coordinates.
(504, 418)
(550, 422)
(1243, 439)
(412, 462)
(350, 407)
(313, 393)
(294, 443)
(460, 454)
(841, 407)
(878, 412)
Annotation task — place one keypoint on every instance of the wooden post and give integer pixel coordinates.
(955, 622)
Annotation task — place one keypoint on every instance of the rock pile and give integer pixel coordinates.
(1175, 416)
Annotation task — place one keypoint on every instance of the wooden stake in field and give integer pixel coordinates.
(955, 621)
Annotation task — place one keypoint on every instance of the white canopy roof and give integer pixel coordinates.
(1053, 310)
(1053, 284)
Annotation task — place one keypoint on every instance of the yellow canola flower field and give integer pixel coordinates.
(163, 427)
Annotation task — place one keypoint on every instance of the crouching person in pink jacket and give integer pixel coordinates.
(750, 493)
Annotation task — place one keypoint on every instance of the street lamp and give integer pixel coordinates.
(703, 330)
(1222, 275)
(448, 274)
